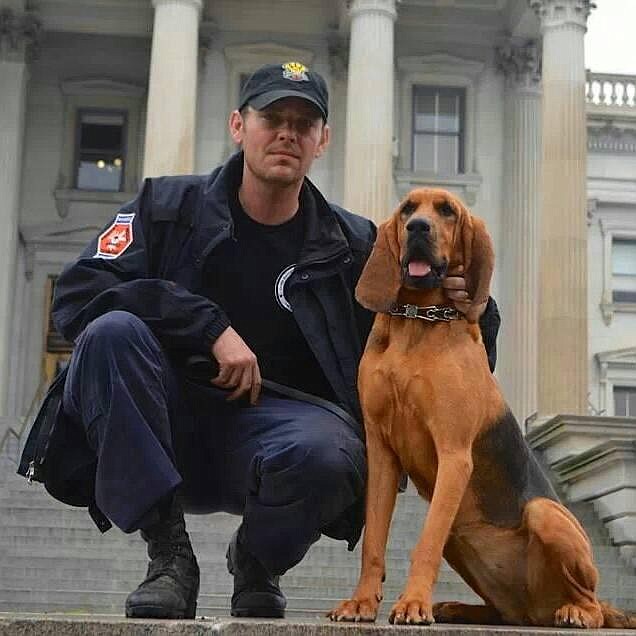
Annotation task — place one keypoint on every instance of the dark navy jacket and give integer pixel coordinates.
(178, 221)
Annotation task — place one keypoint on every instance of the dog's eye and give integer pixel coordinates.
(408, 208)
(445, 209)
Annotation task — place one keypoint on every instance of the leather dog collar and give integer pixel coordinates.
(432, 313)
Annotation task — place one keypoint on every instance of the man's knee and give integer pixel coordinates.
(114, 329)
(315, 465)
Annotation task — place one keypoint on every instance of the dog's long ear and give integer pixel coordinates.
(380, 281)
(479, 262)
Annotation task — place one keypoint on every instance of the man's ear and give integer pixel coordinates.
(325, 138)
(236, 125)
(381, 278)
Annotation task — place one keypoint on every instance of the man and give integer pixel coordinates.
(250, 267)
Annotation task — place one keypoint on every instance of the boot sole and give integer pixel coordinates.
(157, 611)
(258, 612)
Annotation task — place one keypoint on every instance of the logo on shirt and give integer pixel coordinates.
(279, 287)
(295, 71)
(115, 240)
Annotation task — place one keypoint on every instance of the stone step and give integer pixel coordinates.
(311, 625)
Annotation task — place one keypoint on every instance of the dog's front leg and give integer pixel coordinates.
(415, 602)
(382, 485)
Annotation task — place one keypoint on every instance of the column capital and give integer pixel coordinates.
(20, 34)
(560, 13)
(195, 4)
(520, 62)
(360, 7)
(338, 50)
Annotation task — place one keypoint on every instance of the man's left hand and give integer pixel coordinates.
(455, 288)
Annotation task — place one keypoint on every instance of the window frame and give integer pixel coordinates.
(101, 94)
(52, 358)
(435, 90)
(440, 70)
(612, 230)
(78, 123)
(617, 368)
(629, 389)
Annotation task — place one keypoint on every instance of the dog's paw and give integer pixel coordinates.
(355, 610)
(449, 612)
(411, 611)
(577, 617)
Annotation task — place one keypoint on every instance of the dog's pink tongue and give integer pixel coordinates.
(419, 268)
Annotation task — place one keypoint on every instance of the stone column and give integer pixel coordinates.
(563, 338)
(19, 33)
(172, 90)
(520, 246)
(368, 160)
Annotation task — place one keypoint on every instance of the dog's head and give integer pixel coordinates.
(430, 233)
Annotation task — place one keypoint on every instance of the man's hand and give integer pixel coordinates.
(455, 287)
(238, 366)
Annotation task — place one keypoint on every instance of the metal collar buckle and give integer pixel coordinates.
(432, 313)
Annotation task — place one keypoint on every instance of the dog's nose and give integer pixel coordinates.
(419, 225)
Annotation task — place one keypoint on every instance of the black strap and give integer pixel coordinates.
(201, 369)
(101, 520)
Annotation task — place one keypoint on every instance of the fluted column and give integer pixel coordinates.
(563, 338)
(520, 247)
(19, 31)
(172, 90)
(368, 159)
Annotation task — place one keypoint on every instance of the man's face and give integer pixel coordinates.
(281, 141)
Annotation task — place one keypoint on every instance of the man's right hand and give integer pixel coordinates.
(238, 366)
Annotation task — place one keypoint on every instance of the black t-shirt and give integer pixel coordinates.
(246, 275)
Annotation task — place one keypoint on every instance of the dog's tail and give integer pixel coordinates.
(613, 617)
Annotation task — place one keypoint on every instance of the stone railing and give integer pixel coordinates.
(594, 459)
(611, 90)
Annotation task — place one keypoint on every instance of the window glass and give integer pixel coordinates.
(100, 155)
(624, 270)
(447, 154)
(438, 129)
(425, 111)
(448, 113)
(424, 152)
(625, 401)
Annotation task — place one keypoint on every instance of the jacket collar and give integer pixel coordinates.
(324, 239)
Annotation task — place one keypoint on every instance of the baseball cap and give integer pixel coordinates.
(276, 81)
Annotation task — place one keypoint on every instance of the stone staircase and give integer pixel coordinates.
(53, 559)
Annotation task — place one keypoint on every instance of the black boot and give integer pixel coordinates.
(171, 586)
(256, 591)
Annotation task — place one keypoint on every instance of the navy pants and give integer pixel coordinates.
(289, 467)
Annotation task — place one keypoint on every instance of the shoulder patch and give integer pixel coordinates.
(116, 239)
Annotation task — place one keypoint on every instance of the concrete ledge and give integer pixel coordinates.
(92, 625)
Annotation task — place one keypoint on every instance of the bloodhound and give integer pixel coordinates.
(433, 409)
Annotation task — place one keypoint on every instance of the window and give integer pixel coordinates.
(624, 270)
(619, 264)
(625, 401)
(100, 157)
(102, 144)
(57, 350)
(438, 129)
(435, 126)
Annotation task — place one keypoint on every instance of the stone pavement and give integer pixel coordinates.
(94, 625)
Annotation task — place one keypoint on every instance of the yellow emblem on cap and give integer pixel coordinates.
(295, 71)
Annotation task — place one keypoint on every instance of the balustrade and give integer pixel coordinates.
(610, 89)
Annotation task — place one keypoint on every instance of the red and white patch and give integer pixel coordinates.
(115, 240)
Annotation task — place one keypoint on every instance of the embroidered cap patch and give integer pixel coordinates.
(114, 241)
(295, 71)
